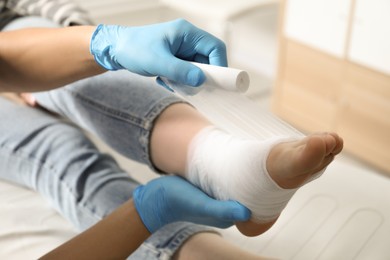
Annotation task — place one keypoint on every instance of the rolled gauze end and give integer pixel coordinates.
(227, 78)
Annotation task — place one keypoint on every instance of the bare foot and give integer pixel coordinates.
(291, 164)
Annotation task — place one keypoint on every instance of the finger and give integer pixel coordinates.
(201, 59)
(214, 49)
(220, 224)
(183, 72)
(218, 57)
(226, 210)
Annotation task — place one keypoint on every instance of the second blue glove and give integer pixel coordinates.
(171, 199)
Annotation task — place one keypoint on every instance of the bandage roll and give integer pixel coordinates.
(230, 79)
(227, 78)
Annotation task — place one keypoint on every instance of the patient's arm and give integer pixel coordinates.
(45, 58)
(115, 237)
(154, 205)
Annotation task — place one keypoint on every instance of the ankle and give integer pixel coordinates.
(251, 229)
(226, 167)
(171, 136)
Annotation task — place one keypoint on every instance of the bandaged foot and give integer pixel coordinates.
(262, 175)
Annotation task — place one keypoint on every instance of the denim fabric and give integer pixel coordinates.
(119, 107)
(28, 22)
(52, 155)
(55, 158)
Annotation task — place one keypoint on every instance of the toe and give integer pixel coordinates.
(330, 144)
(339, 144)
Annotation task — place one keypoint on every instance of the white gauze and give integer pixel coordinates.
(231, 164)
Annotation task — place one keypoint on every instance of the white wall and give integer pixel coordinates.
(125, 12)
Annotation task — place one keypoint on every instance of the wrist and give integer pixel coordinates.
(132, 213)
(81, 36)
(144, 210)
(102, 45)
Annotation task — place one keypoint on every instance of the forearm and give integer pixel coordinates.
(42, 59)
(115, 237)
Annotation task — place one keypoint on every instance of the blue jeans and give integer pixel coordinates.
(52, 155)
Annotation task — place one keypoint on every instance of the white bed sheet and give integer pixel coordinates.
(29, 227)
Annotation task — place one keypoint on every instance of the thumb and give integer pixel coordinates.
(184, 72)
(227, 210)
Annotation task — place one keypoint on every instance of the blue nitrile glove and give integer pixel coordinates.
(158, 50)
(170, 199)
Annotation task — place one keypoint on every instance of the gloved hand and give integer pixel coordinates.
(171, 199)
(158, 50)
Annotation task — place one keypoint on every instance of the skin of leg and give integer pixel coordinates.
(212, 246)
(171, 137)
(179, 123)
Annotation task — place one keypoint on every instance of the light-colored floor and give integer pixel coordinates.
(345, 214)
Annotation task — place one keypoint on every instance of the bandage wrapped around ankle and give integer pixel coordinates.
(226, 167)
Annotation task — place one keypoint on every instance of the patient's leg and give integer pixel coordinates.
(55, 158)
(261, 175)
(147, 123)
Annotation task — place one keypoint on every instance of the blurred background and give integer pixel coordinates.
(321, 65)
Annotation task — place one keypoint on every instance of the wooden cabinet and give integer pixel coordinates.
(370, 35)
(342, 83)
(364, 115)
(321, 24)
(310, 80)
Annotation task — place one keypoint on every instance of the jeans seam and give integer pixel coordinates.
(151, 117)
(110, 111)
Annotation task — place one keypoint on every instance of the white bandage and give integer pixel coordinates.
(230, 79)
(226, 167)
(227, 79)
